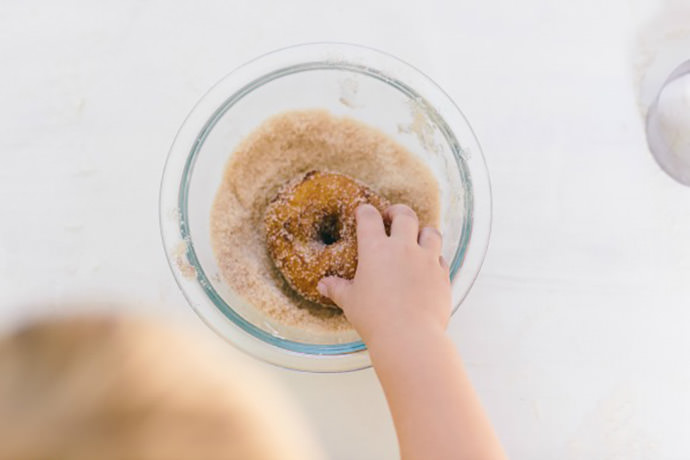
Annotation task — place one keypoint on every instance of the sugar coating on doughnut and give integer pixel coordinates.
(311, 230)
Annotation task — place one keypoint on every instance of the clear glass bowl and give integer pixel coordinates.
(371, 86)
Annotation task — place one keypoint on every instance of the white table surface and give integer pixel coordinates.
(576, 333)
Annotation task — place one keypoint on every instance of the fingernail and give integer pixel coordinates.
(363, 207)
(321, 287)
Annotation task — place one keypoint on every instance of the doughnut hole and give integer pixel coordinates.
(328, 229)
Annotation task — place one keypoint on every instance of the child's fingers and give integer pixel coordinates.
(404, 222)
(334, 288)
(430, 239)
(369, 225)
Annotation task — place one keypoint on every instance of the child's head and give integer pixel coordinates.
(109, 388)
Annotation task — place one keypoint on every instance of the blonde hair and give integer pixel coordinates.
(113, 388)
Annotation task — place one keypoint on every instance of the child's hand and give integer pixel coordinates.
(401, 284)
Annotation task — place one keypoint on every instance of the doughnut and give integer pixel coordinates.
(311, 231)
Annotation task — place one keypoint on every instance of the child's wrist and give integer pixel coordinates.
(401, 336)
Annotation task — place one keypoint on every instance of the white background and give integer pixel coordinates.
(577, 332)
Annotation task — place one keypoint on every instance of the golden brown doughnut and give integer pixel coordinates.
(311, 231)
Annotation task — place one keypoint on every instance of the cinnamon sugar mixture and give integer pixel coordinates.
(283, 147)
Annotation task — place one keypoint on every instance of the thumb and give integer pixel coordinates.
(334, 288)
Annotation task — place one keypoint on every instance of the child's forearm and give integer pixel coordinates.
(436, 412)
